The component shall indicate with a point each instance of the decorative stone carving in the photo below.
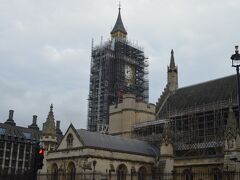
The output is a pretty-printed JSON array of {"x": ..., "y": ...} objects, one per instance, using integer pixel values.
[
  {"x": 167, "y": 134},
  {"x": 49, "y": 128},
  {"x": 231, "y": 131}
]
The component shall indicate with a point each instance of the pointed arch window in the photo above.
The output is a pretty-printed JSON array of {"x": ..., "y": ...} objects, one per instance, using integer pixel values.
[
  {"x": 142, "y": 173},
  {"x": 71, "y": 171},
  {"x": 69, "y": 140},
  {"x": 54, "y": 172}
]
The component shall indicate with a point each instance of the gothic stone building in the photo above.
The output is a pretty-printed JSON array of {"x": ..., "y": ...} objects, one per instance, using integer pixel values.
[
  {"x": 163, "y": 150},
  {"x": 82, "y": 152},
  {"x": 17, "y": 144},
  {"x": 193, "y": 135},
  {"x": 191, "y": 130},
  {"x": 117, "y": 67},
  {"x": 202, "y": 121}
]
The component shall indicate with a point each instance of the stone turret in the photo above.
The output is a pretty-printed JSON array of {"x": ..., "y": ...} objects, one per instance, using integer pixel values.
[
  {"x": 49, "y": 135},
  {"x": 48, "y": 139},
  {"x": 49, "y": 128},
  {"x": 171, "y": 86}
]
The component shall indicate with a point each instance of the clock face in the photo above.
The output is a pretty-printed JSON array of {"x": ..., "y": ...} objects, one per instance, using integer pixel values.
[{"x": 129, "y": 74}]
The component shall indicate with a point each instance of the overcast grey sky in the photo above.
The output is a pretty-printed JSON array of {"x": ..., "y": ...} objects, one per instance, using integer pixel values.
[{"x": 45, "y": 48}]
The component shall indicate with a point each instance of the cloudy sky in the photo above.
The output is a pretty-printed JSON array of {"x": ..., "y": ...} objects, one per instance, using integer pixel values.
[{"x": 45, "y": 48}]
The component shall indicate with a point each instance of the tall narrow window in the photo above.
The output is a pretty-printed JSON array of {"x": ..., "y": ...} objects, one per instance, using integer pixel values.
[
  {"x": 54, "y": 172},
  {"x": 71, "y": 171},
  {"x": 142, "y": 173},
  {"x": 69, "y": 140}
]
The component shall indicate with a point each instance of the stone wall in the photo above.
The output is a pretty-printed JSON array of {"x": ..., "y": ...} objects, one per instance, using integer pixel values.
[{"x": 124, "y": 115}]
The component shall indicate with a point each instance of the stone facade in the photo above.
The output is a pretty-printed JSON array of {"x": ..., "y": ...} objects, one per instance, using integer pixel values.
[
  {"x": 202, "y": 142},
  {"x": 210, "y": 153},
  {"x": 75, "y": 155},
  {"x": 48, "y": 138},
  {"x": 207, "y": 158},
  {"x": 129, "y": 112},
  {"x": 17, "y": 146}
]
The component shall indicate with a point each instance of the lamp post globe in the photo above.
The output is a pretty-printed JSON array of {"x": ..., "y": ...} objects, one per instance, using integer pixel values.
[
  {"x": 236, "y": 63},
  {"x": 236, "y": 58}
]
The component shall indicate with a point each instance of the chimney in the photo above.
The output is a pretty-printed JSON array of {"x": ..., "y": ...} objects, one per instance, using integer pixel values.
[
  {"x": 58, "y": 130},
  {"x": 10, "y": 120},
  {"x": 34, "y": 123},
  {"x": 57, "y": 124},
  {"x": 10, "y": 117}
]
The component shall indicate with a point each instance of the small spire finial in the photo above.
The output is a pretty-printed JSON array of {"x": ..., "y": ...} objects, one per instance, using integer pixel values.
[
  {"x": 51, "y": 107},
  {"x": 119, "y": 5},
  {"x": 119, "y": 27},
  {"x": 172, "y": 62}
]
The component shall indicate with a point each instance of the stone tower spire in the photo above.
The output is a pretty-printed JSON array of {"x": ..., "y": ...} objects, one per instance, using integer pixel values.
[
  {"x": 172, "y": 62},
  {"x": 49, "y": 135},
  {"x": 48, "y": 139},
  {"x": 172, "y": 74},
  {"x": 49, "y": 128},
  {"x": 118, "y": 30}
]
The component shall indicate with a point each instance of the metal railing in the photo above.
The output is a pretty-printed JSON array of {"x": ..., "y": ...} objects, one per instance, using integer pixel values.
[
  {"x": 219, "y": 175},
  {"x": 142, "y": 176}
]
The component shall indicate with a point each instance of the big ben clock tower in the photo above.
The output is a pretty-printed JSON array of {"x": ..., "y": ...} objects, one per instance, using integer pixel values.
[{"x": 117, "y": 67}]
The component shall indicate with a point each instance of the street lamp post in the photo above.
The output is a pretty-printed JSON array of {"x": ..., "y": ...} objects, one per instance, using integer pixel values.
[{"x": 236, "y": 63}]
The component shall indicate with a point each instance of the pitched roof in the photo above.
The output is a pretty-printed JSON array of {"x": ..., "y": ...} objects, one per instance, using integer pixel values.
[
  {"x": 19, "y": 132},
  {"x": 103, "y": 141},
  {"x": 208, "y": 92},
  {"x": 119, "y": 25}
]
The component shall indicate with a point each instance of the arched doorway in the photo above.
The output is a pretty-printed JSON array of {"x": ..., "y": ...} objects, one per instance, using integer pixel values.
[
  {"x": 142, "y": 173},
  {"x": 54, "y": 172},
  {"x": 122, "y": 172},
  {"x": 71, "y": 170}
]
